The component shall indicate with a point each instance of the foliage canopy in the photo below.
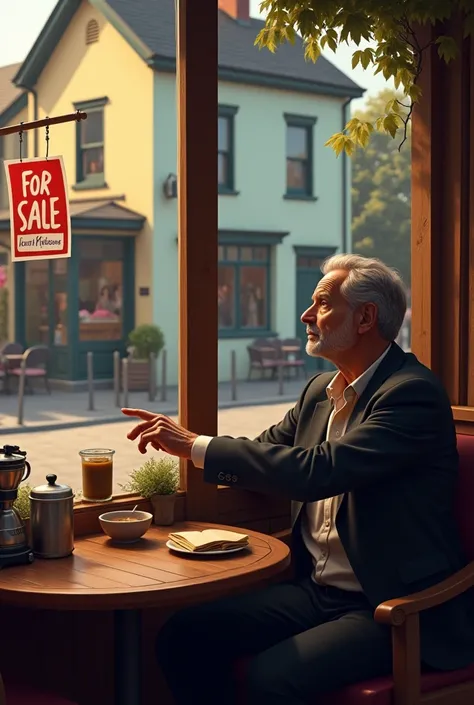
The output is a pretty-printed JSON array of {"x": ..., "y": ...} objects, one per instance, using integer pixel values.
[{"x": 394, "y": 49}]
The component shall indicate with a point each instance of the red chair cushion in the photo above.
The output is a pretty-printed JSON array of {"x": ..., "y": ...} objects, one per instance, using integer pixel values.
[
  {"x": 26, "y": 695},
  {"x": 379, "y": 690},
  {"x": 465, "y": 496}
]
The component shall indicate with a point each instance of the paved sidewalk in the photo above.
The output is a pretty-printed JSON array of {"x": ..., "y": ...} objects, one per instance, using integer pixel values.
[
  {"x": 62, "y": 409},
  {"x": 57, "y": 451}
]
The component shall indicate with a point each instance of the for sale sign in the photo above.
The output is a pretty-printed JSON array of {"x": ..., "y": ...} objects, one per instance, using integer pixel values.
[{"x": 39, "y": 209}]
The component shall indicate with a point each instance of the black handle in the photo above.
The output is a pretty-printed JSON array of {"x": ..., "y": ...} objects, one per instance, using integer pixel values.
[
  {"x": 51, "y": 479},
  {"x": 27, "y": 471}
]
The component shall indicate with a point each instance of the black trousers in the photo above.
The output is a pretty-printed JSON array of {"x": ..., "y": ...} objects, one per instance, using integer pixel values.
[{"x": 303, "y": 640}]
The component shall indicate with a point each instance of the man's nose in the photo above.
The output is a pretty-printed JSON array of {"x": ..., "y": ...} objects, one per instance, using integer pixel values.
[{"x": 309, "y": 316}]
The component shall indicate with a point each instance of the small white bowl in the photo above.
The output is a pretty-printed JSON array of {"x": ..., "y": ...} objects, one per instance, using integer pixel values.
[{"x": 125, "y": 526}]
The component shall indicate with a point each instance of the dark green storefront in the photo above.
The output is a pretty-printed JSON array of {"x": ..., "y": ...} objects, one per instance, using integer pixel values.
[{"x": 85, "y": 303}]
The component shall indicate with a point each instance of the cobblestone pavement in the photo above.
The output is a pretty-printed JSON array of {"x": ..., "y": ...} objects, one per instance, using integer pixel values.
[
  {"x": 64, "y": 409},
  {"x": 56, "y": 451}
]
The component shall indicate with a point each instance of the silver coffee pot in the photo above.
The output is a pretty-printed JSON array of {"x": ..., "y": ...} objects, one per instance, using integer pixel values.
[{"x": 52, "y": 519}]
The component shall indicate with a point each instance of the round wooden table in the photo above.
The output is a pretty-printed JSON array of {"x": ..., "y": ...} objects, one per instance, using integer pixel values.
[{"x": 101, "y": 575}]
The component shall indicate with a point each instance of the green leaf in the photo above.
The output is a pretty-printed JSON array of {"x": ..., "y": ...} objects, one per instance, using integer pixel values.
[
  {"x": 356, "y": 58},
  {"x": 447, "y": 48}
]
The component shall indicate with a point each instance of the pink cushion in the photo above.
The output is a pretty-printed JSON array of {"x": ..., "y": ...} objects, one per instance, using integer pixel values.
[
  {"x": 26, "y": 695},
  {"x": 29, "y": 372}
]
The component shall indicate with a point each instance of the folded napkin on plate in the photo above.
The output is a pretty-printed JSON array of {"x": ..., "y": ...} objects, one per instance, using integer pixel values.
[{"x": 209, "y": 540}]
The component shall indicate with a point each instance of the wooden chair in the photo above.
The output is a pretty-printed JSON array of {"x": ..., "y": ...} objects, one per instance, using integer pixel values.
[
  {"x": 262, "y": 358},
  {"x": 407, "y": 686}
]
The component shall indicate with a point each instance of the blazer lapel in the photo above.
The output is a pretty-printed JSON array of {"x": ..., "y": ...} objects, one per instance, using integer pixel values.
[{"x": 392, "y": 362}]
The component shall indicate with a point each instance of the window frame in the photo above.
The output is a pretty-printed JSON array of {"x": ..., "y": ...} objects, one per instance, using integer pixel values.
[
  {"x": 228, "y": 112},
  {"x": 238, "y": 331},
  {"x": 306, "y": 123},
  {"x": 92, "y": 181}
]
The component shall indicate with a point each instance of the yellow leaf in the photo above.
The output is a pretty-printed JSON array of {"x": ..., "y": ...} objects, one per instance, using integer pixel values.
[{"x": 356, "y": 57}]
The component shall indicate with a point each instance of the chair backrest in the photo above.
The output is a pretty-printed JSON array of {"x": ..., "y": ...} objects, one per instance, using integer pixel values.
[
  {"x": 465, "y": 494},
  {"x": 37, "y": 356},
  {"x": 12, "y": 349}
]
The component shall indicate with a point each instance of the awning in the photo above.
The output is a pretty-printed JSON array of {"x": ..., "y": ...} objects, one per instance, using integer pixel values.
[{"x": 96, "y": 216}]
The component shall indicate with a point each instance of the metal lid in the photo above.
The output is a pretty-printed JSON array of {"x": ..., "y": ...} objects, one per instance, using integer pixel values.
[
  {"x": 52, "y": 490},
  {"x": 12, "y": 457}
]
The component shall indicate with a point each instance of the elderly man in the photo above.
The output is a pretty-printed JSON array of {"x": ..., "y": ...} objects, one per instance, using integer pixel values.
[{"x": 368, "y": 456}]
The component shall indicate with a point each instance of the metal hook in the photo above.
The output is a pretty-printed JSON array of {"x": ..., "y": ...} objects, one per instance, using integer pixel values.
[
  {"x": 47, "y": 139},
  {"x": 21, "y": 142}
]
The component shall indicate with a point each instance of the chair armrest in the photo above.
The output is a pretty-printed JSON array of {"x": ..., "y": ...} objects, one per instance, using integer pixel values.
[{"x": 394, "y": 612}]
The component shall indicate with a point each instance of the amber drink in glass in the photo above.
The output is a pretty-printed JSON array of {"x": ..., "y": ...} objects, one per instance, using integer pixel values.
[{"x": 97, "y": 474}]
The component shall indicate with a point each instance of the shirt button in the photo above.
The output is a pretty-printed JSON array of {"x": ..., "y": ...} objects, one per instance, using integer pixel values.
[{"x": 327, "y": 523}]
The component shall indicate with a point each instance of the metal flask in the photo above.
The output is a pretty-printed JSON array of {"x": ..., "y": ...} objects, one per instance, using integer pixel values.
[{"x": 52, "y": 519}]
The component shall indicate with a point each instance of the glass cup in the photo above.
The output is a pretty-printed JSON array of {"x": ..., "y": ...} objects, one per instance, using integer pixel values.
[{"x": 97, "y": 474}]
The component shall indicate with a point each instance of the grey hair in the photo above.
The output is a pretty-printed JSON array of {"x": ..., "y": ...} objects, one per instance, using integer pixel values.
[{"x": 369, "y": 280}]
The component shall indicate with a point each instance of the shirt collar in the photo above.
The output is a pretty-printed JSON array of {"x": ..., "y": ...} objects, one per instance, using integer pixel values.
[{"x": 338, "y": 385}]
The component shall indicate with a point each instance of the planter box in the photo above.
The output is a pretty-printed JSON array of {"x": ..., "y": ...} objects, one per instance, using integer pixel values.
[{"x": 138, "y": 375}]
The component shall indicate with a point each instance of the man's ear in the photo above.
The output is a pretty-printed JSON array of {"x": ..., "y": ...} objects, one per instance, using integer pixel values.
[{"x": 367, "y": 317}]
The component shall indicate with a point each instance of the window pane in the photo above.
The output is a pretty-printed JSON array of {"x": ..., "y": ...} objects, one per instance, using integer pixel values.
[
  {"x": 223, "y": 134},
  {"x": 93, "y": 127},
  {"x": 302, "y": 261},
  {"x": 226, "y": 296},
  {"x": 296, "y": 175},
  {"x": 220, "y": 252},
  {"x": 261, "y": 253},
  {"x": 297, "y": 142},
  {"x": 232, "y": 253},
  {"x": 100, "y": 299},
  {"x": 60, "y": 267},
  {"x": 246, "y": 254},
  {"x": 90, "y": 248},
  {"x": 36, "y": 304},
  {"x": 93, "y": 161},
  {"x": 315, "y": 262},
  {"x": 253, "y": 294},
  {"x": 222, "y": 169}
]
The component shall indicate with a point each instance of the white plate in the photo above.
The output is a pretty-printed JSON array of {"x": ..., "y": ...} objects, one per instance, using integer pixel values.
[{"x": 170, "y": 544}]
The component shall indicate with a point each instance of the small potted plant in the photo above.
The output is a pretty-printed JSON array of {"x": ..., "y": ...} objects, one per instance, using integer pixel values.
[
  {"x": 158, "y": 481},
  {"x": 143, "y": 341},
  {"x": 22, "y": 505}
]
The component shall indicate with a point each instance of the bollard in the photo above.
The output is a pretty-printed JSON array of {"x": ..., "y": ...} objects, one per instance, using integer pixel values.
[
  {"x": 163, "y": 376},
  {"x": 90, "y": 379},
  {"x": 21, "y": 394},
  {"x": 125, "y": 381},
  {"x": 280, "y": 380},
  {"x": 233, "y": 375},
  {"x": 117, "y": 377},
  {"x": 152, "y": 377}
]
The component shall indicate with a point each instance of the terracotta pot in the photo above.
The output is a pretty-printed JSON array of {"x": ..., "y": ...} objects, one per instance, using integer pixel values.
[{"x": 163, "y": 509}]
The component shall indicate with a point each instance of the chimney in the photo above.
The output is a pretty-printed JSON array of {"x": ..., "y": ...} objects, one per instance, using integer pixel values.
[{"x": 238, "y": 9}]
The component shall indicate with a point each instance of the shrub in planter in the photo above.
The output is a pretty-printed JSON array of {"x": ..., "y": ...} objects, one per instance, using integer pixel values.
[
  {"x": 158, "y": 480},
  {"x": 143, "y": 341}
]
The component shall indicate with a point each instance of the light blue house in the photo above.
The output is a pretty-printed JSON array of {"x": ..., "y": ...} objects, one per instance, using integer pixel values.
[{"x": 284, "y": 199}]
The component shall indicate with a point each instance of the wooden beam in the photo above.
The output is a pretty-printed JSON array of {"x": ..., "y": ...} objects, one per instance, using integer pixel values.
[
  {"x": 442, "y": 273},
  {"x": 196, "y": 60},
  {"x": 45, "y": 122}
]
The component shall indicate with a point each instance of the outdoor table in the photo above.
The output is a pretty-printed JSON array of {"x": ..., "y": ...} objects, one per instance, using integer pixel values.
[{"x": 101, "y": 575}]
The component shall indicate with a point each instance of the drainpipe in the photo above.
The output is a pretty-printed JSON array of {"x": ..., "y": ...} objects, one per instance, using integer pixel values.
[{"x": 346, "y": 226}]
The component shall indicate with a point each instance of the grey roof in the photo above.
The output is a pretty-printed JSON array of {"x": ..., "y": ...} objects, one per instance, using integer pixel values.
[
  {"x": 153, "y": 21},
  {"x": 105, "y": 210},
  {"x": 8, "y": 91}
]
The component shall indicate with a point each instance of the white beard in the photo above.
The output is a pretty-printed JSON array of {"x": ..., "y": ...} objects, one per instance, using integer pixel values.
[{"x": 340, "y": 339}]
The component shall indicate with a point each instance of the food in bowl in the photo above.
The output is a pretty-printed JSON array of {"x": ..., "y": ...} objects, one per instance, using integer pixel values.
[{"x": 125, "y": 526}]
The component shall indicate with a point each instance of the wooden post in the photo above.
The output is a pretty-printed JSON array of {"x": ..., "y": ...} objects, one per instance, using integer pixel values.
[{"x": 196, "y": 73}]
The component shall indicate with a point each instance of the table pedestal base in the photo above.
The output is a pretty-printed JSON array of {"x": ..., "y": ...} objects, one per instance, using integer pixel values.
[{"x": 128, "y": 660}]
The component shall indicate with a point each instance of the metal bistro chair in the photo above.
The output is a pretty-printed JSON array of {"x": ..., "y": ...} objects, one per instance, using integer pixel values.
[{"x": 34, "y": 365}]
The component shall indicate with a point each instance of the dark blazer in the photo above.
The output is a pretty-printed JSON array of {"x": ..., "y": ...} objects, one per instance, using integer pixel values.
[{"x": 397, "y": 467}]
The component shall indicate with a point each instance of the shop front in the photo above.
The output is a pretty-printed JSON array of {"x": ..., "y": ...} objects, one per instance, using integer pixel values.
[{"x": 85, "y": 303}]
